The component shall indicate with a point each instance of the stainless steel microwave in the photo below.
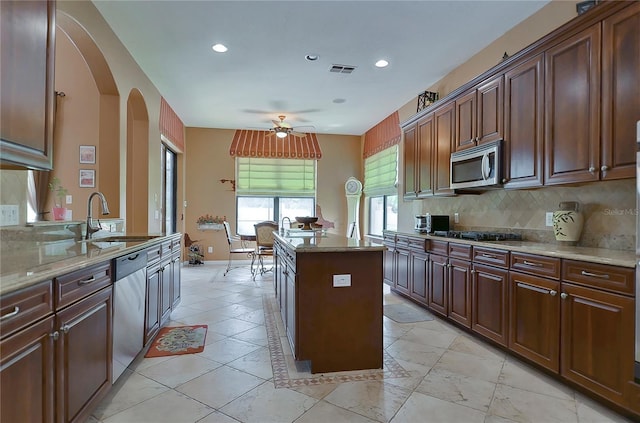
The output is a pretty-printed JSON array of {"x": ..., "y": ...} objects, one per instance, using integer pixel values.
[{"x": 477, "y": 167}]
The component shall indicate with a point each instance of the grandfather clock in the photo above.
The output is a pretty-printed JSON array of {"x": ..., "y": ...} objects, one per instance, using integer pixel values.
[{"x": 353, "y": 190}]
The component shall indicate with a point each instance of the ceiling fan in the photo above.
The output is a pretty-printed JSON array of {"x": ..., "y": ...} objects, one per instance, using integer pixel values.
[{"x": 282, "y": 129}]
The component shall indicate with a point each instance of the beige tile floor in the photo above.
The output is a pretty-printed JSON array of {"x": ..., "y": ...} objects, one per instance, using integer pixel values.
[{"x": 433, "y": 372}]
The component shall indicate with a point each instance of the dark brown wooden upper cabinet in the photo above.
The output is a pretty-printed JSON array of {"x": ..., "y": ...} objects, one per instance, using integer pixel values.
[
  {"x": 523, "y": 124},
  {"x": 27, "y": 30},
  {"x": 425, "y": 169},
  {"x": 444, "y": 137},
  {"x": 572, "y": 109},
  {"x": 479, "y": 114},
  {"x": 620, "y": 92},
  {"x": 409, "y": 154}
]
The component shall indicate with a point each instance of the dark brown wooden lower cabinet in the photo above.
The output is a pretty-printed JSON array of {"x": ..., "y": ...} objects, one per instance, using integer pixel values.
[
  {"x": 459, "y": 285},
  {"x": 597, "y": 340},
  {"x": 490, "y": 305},
  {"x": 534, "y": 332},
  {"x": 438, "y": 293},
  {"x": 152, "y": 303},
  {"x": 27, "y": 374},
  {"x": 419, "y": 276},
  {"x": 83, "y": 356},
  {"x": 402, "y": 271}
]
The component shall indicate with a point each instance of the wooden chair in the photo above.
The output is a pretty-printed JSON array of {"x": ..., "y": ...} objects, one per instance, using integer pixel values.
[
  {"x": 264, "y": 245},
  {"x": 247, "y": 252}
]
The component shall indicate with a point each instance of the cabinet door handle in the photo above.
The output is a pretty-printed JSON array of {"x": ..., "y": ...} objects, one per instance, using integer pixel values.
[
  {"x": 65, "y": 329},
  {"x": 604, "y": 168},
  {"x": 133, "y": 257},
  {"x": 592, "y": 169},
  {"x": 564, "y": 296},
  {"x": 553, "y": 293},
  {"x": 530, "y": 263},
  {"x": 595, "y": 275},
  {"x": 55, "y": 335},
  {"x": 15, "y": 311},
  {"x": 533, "y": 288},
  {"x": 87, "y": 281}
]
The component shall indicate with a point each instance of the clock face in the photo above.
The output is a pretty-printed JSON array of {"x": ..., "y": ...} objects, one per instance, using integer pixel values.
[{"x": 353, "y": 186}]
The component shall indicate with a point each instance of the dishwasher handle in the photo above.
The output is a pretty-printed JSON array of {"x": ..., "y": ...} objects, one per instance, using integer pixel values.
[{"x": 131, "y": 263}]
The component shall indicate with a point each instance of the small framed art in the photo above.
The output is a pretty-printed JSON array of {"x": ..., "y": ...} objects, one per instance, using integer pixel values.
[
  {"x": 88, "y": 154},
  {"x": 87, "y": 178}
]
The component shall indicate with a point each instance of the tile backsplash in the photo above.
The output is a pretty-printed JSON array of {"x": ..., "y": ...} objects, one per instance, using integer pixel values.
[{"x": 609, "y": 210}]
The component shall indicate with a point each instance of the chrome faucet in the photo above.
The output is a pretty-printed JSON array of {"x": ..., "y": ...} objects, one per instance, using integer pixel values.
[
  {"x": 105, "y": 210},
  {"x": 282, "y": 224}
]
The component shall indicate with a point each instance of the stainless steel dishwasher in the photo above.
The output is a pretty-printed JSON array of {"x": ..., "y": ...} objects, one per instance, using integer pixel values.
[{"x": 128, "y": 309}]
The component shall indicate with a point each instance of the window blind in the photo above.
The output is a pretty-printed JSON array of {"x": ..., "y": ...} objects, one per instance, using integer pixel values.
[
  {"x": 275, "y": 177},
  {"x": 381, "y": 172}
]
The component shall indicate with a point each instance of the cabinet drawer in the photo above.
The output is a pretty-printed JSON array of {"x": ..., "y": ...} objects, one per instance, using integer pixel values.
[
  {"x": 402, "y": 242},
  {"x": 166, "y": 249},
  {"x": 79, "y": 284},
  {"x": 418, "y": 244},
  {"x": 153, "y": 253},
  {"x": 536, "y": 265},
  {"x": 25, "y": 306},
  {"x": 498, "y": 258},
  {"x": 613, "y": 278},
  {"x": 461, "y": 251},
  {"x": 438, "y": 247},
  {"x": 389, "y": 238}
]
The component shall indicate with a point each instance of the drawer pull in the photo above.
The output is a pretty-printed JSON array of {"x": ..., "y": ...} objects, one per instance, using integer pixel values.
[
  {"x": 55, "y": 335},
  {"x": 133, "y": 257},
  {"x": 15, "y": 311},
  {"x": 595, "y": 275},
  {"x": 530, "y": 263},
  {"x": 564, "y": 296},
  {"x": 488, "y": 255},
  {"x": 534, "y": 288},
  {"x": 87, "y": 281}
]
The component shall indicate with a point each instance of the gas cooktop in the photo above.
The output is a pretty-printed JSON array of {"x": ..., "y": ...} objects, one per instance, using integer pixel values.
[{"x": 479, "y": 236}]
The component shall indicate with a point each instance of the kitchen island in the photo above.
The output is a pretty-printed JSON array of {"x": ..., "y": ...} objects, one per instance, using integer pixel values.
[{"x": 329, "y": 289}]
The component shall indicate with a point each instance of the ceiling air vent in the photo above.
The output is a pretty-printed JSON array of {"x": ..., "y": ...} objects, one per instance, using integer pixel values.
[{"x": 342, "y": 69}]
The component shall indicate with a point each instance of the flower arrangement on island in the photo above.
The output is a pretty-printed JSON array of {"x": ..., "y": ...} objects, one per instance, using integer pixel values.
[{"x": 207, "y": 219}]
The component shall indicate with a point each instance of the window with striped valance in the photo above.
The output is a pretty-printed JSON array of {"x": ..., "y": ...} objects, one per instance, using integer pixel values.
[
  {"x": 381, "y": 172},
  {"x": 275, "y": 177}
]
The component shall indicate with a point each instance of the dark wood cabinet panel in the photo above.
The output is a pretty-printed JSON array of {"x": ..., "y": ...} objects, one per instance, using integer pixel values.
[
  {"x": 389, "y": 265},
  {"x": 489, "y": 302},
  {"x": 419, "y": 276},
  {"x": 83, "y": 356},
  {"x": 425, "y": 147},
  {"x": 27, "y": 30},
  {"x": 523, "y": 124},
  {"x": 410, "y": 161},
  {"x": 444, "y": 136},
  {"x": 489, "y": 126},
  {"x": 572, "y": 109},
  {"x": 466, "y": 121},
  {"x": 291, "y": 318},
  {"x": 620, "y": 92},
  {"x": 27, "y": 374},
  {"x": 459, "y": 285},
  {"x": 152, "y": 304},
  {"x": 534, "y": 331},
  {"x": 402, "y": 271},
  {"x": 166, "y": 282},
  {"x": 21, "y": 308},
  {"x": 597, "y": 340},
  {"x": 438, "y": 292},
  {"x": 176, "y": 282}
]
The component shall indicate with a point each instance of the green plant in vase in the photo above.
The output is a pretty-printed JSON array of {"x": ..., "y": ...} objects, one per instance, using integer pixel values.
[{"x": 59, "y": 192}]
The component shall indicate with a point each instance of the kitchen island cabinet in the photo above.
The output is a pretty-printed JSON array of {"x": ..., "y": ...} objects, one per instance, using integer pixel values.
[{"x": 332, "y": 291}]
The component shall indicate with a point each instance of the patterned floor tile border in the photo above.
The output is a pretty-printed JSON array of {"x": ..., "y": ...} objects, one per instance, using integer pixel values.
[{"x": 281, "y": 377}]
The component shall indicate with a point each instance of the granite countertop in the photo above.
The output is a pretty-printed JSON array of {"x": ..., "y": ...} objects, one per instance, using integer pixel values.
[
  {"x": 621, "y": 258},
  {"x": 27, "y": 262},
  {"x": 322, "y": 242}
]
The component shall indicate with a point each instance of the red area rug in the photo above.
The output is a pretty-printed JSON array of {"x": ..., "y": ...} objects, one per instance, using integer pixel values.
[{"x": 178, "y": 340}]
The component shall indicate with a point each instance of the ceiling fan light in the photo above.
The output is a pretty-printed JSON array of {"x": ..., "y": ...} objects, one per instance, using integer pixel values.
[{"x": 281, "y": 133}]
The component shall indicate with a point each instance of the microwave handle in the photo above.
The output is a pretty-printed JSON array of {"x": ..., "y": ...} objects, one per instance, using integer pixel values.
[{"x": 486, "y": 170}]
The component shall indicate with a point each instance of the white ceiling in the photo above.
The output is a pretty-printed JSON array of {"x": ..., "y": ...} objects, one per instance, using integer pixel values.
[{"x": 265, "y": 74}]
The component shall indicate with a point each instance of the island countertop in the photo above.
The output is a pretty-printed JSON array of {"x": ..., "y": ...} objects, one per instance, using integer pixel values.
[{"x": 319, "y": 242}]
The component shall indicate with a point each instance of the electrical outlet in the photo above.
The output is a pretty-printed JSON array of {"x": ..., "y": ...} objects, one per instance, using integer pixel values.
[
  {"x": 341, "y": 280},
  {"x": 210, "y": 250},
  {"x": 549, "y": 219},
  {"x": 9, "y": 215},
  {"x": 69, "y": 199},
  {"x": 456, "y": 218}
]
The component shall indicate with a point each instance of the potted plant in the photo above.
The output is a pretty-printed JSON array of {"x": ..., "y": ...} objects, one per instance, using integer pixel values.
[
  {"x": 59, "y": 192},
  {"x": 210, "y": 222}
]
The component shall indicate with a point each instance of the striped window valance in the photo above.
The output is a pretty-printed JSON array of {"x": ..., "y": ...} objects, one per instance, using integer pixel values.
[
  {"x": 382, "y": 136},
  {"x": 247, "y": 143},
  {"x": 171, "y": 127}
]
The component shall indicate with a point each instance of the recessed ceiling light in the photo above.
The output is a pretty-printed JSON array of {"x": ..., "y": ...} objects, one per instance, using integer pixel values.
[
  {"x": 219, "y": 48},
  {"x": 382, "y": 63},
  {"x": 312, "y": 57}
]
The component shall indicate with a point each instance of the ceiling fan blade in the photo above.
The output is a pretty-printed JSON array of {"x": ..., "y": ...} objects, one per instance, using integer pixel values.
[
  {"x": 297, "y": 134},
  {"x": 270, "y": 134},
  {"x": 277, "y": 123}
]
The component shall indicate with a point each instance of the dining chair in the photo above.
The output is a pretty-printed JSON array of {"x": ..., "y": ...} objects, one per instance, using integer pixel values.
[
  {"x": 264, "y": 245},
  {"x": 235, "y": 251}
]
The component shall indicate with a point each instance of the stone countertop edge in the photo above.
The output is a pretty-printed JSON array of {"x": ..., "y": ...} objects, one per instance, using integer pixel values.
[
  {"x": 622, "y": 258},
  {"x": 30, "y": 276},
  {"x": 327, "y": 243}
]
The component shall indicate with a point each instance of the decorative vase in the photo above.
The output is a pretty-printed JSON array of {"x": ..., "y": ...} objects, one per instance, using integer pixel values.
[
  {"x": 567, "y": 222},
  {"x": 59, "y": 213}
]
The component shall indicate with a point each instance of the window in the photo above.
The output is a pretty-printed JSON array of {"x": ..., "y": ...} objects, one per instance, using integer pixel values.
[
  {"x": 380, "y": 189},
  {"x": 270, "y": 189},
  {"x": 169, "y": 188}
]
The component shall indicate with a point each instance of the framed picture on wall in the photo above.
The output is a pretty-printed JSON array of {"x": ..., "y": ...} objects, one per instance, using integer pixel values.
[
  {"x": 87, "y": 178},
  {"x": 88, "y": 154}
]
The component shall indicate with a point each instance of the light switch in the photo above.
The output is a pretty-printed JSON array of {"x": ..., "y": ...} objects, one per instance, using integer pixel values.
[
  {"x": 9, "y": 215},
  {"x": 341, "y": 280},
  {"x": 69, "y": 199}
]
